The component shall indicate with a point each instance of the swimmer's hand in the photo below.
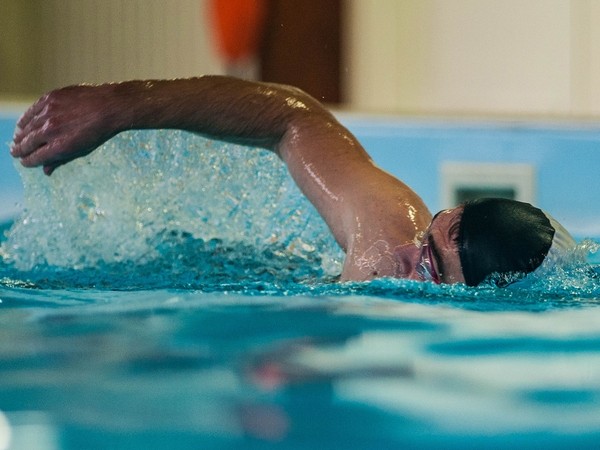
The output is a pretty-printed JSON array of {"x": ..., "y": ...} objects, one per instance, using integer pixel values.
[{"x": 63, "y": 125}]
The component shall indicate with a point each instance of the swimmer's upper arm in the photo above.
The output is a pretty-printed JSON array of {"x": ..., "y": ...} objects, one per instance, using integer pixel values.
[
  {"x": 361, "y": 203},
  {"x": 330, "y": 166}
]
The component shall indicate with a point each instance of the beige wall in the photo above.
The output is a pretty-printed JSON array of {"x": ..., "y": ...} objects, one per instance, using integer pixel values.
[
  {"x": 107, "y": 40},
  {"x": 539, "y": 57},
  {"x": 533, "y": 57},
  {"x": 75, "y": 41},
  {"x": 19, "y": 51}
]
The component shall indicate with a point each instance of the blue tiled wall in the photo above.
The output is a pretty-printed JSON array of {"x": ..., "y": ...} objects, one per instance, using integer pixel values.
[
  {"x": 10, "y": 184},
  {"x": 566, "y": 159}
]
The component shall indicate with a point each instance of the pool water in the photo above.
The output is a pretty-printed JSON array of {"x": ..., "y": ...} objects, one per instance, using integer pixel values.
[{"x": 152, "y": 300}]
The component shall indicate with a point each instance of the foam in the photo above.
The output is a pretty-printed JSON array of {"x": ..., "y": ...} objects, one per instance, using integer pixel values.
[{"x": 114, "y": 205}]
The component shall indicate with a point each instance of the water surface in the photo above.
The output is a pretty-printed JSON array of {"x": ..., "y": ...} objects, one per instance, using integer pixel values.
[{"x": 152, "y": 300}]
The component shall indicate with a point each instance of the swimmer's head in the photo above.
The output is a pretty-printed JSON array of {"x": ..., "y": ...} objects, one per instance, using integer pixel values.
[
  {"x": 498, "y": 238},
  {"x": 507, "y": 238}
]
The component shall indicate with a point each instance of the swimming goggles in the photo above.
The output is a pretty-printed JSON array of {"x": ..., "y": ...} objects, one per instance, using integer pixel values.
[{"x": 426, "y": 267}]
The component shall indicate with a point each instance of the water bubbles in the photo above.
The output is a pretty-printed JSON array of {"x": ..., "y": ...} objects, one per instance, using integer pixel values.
[
  {"x": 113, "y": 205},
  {"x": 591, "y": 249}
]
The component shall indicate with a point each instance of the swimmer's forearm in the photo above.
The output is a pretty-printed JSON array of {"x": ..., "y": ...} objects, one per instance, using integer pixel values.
[{"x": 220, "y": 107}]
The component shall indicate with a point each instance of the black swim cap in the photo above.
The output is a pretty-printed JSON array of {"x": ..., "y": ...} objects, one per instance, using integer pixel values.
[{"x": 501, "y": 236}]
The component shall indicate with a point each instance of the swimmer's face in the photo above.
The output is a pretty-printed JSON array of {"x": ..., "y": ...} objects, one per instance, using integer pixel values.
[{"x": 439, "y": 260}]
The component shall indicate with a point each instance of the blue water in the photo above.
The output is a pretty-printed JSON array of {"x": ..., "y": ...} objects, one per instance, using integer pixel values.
[{"x": 160, "y": 300}]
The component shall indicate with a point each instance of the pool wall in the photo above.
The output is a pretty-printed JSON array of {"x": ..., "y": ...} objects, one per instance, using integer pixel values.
[
  {"x": 563, "y": 157},
  {"x": 11, "y": 190}
]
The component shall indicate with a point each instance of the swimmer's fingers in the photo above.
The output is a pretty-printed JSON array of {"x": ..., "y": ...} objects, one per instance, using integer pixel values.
[
  {"x": 31, "y": 139},
  {"x": 36, "y": 117},
  {"x": 55, "y": 153},
  {"x": 23, "y": 124},
  {"x": 34, "y": 109},
  {"x": 63, "y": 125},
  {"x": 49, "y": 168},
  {"x": 48, "y": 153},
  {"x": 63, "y": 110},
  {"x": 38, "y": 125}
]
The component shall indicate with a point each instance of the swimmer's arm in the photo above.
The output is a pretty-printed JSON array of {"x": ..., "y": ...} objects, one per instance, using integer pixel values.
[
  {"x": 71, "y": 122},
  {"x": 324, "y": 158}
]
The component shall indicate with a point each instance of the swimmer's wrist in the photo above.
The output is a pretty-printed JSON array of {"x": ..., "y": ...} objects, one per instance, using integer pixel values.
[
  {"x": 145, "y": 104},
  {"x": 132, "y": 101}
]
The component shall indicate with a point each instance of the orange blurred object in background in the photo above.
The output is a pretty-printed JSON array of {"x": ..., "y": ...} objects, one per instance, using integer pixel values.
[{"x": 237, "y": 25}]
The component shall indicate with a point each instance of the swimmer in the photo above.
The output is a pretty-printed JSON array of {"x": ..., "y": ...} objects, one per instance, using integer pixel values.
[{"x": 382, "y": 225}]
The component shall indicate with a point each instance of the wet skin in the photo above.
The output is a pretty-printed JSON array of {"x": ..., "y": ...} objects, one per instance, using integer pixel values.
[
  {"x": 376, "y": 219},
  {"x": 442, "y": 237}
]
